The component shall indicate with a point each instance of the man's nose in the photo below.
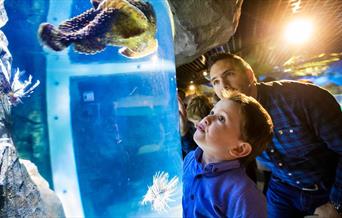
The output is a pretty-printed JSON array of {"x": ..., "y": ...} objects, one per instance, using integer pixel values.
[{"x": 226, "y": 84}]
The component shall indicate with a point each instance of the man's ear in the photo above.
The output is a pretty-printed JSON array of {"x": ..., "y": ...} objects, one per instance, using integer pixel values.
[
  {"x": 242, "y": 150},
  {"x": 250, "y": 75}
]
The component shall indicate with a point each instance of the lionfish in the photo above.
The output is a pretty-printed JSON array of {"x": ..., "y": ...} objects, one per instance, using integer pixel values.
[
  {"x": 11, "y": 86},
  {"x": 160, "y": 193}
]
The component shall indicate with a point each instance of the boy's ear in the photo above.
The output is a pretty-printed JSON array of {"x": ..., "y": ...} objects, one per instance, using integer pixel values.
[{"x": 242, "y": 150}]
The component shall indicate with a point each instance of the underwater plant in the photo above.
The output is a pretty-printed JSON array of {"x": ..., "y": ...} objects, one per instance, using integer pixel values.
[
  {"x": 130, "y": 24},
  {"x": 160, "y": 193}
]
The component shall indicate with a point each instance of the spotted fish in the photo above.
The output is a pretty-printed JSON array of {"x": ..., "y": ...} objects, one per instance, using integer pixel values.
[{"x": 130, "y": 24}]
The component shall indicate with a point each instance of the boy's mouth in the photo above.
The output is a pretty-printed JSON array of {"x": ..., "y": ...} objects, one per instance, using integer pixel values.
[{"x": 201, "y": 127}]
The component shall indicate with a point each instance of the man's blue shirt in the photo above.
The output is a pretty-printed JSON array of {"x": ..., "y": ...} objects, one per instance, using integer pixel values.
[
  {"x": 307, "y": 145},
  {"x": 219, "y": 190}
]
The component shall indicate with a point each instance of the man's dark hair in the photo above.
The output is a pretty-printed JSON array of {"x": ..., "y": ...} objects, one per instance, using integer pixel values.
[{"x": 237, "y": 61}]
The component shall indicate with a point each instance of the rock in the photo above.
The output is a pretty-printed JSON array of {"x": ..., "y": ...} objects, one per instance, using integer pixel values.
[
  {"x": 201, "y": 25},
  {"x": 21, "y": 195},
  {"x": 51, "y": 203}
]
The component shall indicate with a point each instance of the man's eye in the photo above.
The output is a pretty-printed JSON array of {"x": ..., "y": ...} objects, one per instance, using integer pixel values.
[
  {"x": 215, "y": 82},
  {"x": 230, "y": 73},
  {"x": 221, "y": 119},
  {"x": 211, "y": 113}
]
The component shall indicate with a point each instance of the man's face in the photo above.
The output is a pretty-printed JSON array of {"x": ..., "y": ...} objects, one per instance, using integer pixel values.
[
  {"x": 225, "y": 76},
  {"x": 220, "y": 130}
]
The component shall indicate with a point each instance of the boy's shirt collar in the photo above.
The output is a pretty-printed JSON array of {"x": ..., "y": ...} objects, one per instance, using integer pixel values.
[{"x": 214, "y": 167}]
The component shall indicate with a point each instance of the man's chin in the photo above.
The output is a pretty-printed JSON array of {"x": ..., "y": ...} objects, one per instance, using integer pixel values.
[{"x": 226, "y": 92}]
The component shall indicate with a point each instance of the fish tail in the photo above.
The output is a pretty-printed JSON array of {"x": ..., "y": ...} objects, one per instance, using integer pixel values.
[{"x": 53, "y": 37}]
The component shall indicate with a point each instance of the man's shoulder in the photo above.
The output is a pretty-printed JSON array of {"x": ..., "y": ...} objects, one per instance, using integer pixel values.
[
  {"x": 284, "y": 84},
  {"x": 289, "y": 84},
  {"x": 289, "y": 87}
]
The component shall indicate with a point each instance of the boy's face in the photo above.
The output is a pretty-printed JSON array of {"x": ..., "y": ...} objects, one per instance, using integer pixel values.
[
  {"x": 225, "y": 76},
  {"x": 220, "y": 131}
]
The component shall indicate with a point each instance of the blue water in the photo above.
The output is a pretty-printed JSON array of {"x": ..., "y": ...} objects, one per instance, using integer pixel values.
[
  {"x": 122, "y": 137},
  {"x": 112, "y": 121},
  {"x": 29, "y": 131}
]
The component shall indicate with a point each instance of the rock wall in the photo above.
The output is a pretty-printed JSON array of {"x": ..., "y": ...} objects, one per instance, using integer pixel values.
[{"x": 201, "y": 25}]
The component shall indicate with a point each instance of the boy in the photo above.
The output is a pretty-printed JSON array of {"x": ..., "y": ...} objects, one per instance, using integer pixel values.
[{"x": 214, "y": 182}]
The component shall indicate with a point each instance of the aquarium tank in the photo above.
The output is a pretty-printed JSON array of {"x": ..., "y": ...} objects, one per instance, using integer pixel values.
[{"x": 102, "y": 127}]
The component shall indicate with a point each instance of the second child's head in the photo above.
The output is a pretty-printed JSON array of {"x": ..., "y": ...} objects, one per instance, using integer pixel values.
[
  {"x": 198, "y": 108},
  {"x": 238, "y": 127}
]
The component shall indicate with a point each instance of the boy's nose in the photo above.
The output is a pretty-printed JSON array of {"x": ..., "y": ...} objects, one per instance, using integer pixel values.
[{"x": 207, "y": 120}]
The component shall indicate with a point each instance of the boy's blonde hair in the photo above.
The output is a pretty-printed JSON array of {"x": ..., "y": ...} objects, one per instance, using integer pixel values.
[{"x": 256, "y": 126}]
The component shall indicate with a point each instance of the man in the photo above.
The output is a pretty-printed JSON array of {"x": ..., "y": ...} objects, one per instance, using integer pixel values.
[{"x": 305, "y": 153}]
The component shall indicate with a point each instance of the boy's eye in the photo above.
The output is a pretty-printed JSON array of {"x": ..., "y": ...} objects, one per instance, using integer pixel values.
[
  {"x": 221, "y": 119},
  {"x": 211, "y": 113}
]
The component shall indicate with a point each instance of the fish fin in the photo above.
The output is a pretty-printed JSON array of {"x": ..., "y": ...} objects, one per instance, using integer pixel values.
[
  {"x": 52, "y": 37},
  {"x": 96, "y": 3},
  {"x": 89, "y": 46},
  {"x": 149, "y": 49},
  {"x": 147, "y": 9}
]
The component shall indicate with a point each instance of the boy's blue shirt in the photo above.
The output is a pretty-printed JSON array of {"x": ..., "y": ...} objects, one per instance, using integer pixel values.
[{"x": 219, "y": 190}]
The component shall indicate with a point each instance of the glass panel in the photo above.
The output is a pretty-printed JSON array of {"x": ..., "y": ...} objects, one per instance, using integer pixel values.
[{"x": 112, "y": 121}]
